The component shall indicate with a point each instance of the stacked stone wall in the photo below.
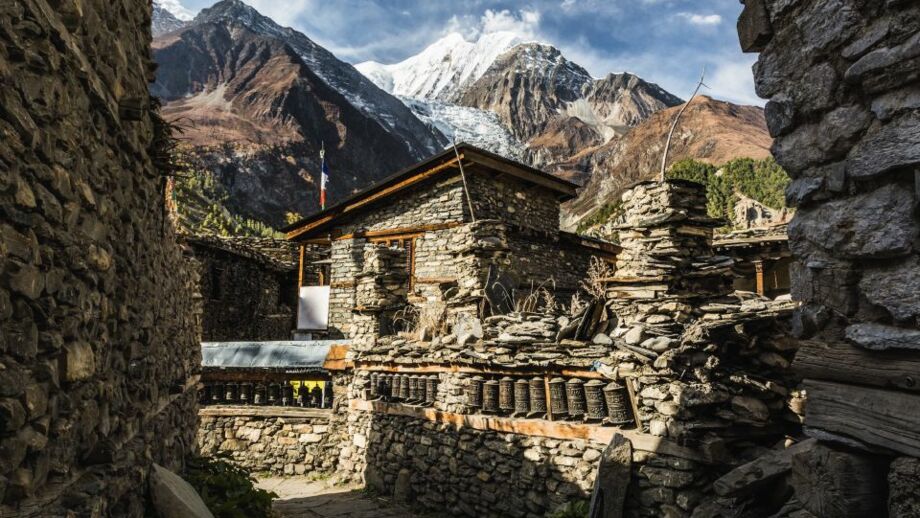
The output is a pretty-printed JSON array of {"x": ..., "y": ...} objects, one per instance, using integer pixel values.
[
  {"x": 301, "y": 442},
  {"x": 98, "y": 331},
  {"x": 514, "y": 203},
  {"x": 841, "y": 79}
]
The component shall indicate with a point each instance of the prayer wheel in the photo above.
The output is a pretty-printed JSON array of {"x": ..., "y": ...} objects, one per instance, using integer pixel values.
[
  {"x": 303, "y": 395},
  {"x": 233, "y": 392},
  {"x": 558, "y": 405},
  {"x": 617, "y": 404},
  {"x": 386, "y": 386},
  {"x": 274, "y": 394},
  {"x": 403, "y": 387},
  {"x": 397, "y": 386},
  {"x": 246, "y": 393},
  {"x": 594, "y": 396},
  {"x": 413, "y": 388},
  {"x": 258, "y": 397},
  {"x": 287, "y": 394},
  {"x": 506, "y": 395},
  {"x": 204, "y": 395},
  {"x": 217, "y": 393},
  {"x": 521, "y": 397},
  {"x": 490, "y": 396},
  {"x": 374, "y": 377},
  {"x": 422, "y": 390},
  {"x": 537, "y": 397},
  {"x": 316, "y": 397},
  {"x": 431, "y": 389},
  {"x": 474, "y": 392},
  {"x": 575, "y": 398}
]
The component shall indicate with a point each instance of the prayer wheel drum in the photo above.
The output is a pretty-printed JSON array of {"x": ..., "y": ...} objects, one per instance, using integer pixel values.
[
  {"x": 287, "y": 394},
  {"x": 217, "y": 393},
  {"x": 474, "y": 392},
  {"x": 274, "y": 394},
  {"x": 204, "y": 395},
  {"x": 232, "y": 392},
  {"x": 422, "y": 389},
  {"x": 413, "y": 389},
  {"x": 385, "y": 385},
  {"x": 259, "y": 397},
  {"x": 537, "y": 397},
  {"x": 490, "y": 396},
  {"x": 245, "y": 393},
  {"x": 375, "y": 388},
  {"x": 521, "y": 397},
  {"x": 575, "y": 398},
  {"x": 558, "y": 405},
  {"x": 617, "y": 404},
  {"x": 403, "y": 387},
  {"x": 303, "y": 395},
  {"x": 506, "y": 395},
  {"x": 431, "y": 389},
  {"x": 594, "y": 397}
]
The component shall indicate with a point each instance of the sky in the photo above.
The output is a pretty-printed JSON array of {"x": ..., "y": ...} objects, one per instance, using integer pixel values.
[{"x": 669, "y": 42}]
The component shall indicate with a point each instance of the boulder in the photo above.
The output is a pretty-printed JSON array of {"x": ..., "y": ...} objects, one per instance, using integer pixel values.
[
  {"x": 879, "y": 337},
  {"x": 173, "y": 497},
  {"x": 895, "y": 288}
]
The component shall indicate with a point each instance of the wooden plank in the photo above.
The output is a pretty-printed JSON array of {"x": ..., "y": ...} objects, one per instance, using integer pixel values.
[
  {"x": 758, "y": 270},
  {"x": 840, "y": 361},
  {"x": 466, "y": 369},
  {"x": 537, "y": 427},
  {"x": 401, "y": 232},
  {"x": 300, "y": 270},
  {"x": 877, "y": 417},
  {"x": 262, "y": 411}
]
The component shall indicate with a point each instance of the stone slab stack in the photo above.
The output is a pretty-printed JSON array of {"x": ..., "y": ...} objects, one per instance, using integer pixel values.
[
  {"x": 666, "y": 262},
  {"x": 381, "y": 290},
  {"x": 844, "y": 110}
]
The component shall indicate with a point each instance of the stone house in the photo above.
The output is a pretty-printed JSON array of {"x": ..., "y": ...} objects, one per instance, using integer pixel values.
[
  {"x": 464, "y": 231},
  {"x": 246, "y": 287}
]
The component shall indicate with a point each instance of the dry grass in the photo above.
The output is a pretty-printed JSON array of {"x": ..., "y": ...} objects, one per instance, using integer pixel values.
[
  {"x": 594, "y": 285},
  {"x": 422, "y": 322},
  {"x": 540, "y": 297}
]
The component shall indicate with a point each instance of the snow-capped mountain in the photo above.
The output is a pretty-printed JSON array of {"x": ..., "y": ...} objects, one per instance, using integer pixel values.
[
  {"x": 361, "y": 92},
  {"x": 175, "y": 8},
  {"x": 444, "y": 69},
  {"x": 164, "y": 20}
]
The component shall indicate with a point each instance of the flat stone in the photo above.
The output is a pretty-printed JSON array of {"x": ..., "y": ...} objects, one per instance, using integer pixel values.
[
  {"x": 659, "y": 344},
  {"x": 876, "y": 224},
  {"x": 750, "y": 408},
  {"x": 80, "y": 362},
  {"x": 895, "y": 288},
  {"x": 895, "y": 145},
  {"x": 173, "y": 497},
  {"x": 602, "y": 339},
  {"x": 634, "y": 335},
  {"x": 880, "y": 337}
]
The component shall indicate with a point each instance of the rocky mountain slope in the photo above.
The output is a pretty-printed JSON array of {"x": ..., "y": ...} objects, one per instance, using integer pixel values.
[
  {"x": 256, "y": 102},
  {"x": 164, "y": 20},
  {"x": 711, "y": 131}
]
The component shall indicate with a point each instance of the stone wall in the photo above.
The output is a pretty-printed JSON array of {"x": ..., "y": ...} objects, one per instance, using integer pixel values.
[
  {"x": 280, "y": 441},
  {"x": 844, "y": 109},
  {"x": 97, "y": 326},
  {"x": 244, "y": 296}
]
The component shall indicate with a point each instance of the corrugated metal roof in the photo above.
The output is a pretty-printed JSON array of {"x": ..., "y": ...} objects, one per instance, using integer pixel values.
[{"x": 269, "y": 355}]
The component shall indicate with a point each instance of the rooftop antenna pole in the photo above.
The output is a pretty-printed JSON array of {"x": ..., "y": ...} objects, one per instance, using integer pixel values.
[
  {"x": 466, "y": 189},
  {"x": 667, "y": 145}
]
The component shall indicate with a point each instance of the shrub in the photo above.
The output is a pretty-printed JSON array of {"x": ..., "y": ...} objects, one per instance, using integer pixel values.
[{"x": 228, "y": 490}]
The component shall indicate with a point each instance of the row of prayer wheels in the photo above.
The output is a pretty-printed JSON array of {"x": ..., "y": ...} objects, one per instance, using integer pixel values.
[
  {"x": 412, "y": 389},
  {"x": 594, "y": 401},
  {"x": 280, "y": 394}
]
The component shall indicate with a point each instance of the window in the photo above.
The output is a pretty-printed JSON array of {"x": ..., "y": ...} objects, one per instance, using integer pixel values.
[{"x": 408, "y": 243}]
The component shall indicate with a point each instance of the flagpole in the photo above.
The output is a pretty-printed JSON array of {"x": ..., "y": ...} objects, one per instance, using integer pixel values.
[{"x": 322, "y": 175}]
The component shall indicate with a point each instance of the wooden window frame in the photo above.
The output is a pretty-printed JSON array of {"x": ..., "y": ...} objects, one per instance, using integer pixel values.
[{"x": 407, "y": 241}]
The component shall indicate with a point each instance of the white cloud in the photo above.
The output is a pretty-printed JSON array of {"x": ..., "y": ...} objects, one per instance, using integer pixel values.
[
  {"x": 733, "y": 80},
  {"x": 285, "y": 13},
  {"x": 703, "y": 20},
  {"x": 525, "y": 23}
]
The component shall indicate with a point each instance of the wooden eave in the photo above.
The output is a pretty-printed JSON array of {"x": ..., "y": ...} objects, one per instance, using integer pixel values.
[{"x": 446, "y": 161}]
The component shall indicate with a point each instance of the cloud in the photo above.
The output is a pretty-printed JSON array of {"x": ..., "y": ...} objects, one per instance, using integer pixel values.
[
  {"x": 702, "y": 20},
  {"x": 733, "y": 80},
  {"x": 525, "y": 23}
]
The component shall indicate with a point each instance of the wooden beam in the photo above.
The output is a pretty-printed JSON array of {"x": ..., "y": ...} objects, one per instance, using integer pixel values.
[
  {"x": 370, "y": 198},
  {"x": 840, "y": 361},
  {"x": 262, "y": 411},
  {"x": 882, "y": 418},
  {"x": 758, "y": 269},
  {"x": 534, "y": 427},
  {"x": 568, "y": 372},
  {"x": 300, "y": 269},
  {"x": 539, "y": 178},
  {"x": 403, "y": 232}
]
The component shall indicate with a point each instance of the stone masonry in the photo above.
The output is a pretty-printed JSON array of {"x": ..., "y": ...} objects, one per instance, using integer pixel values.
[
  {"x": 841, "y": 78},
  {"x": 98, "y": 332}
]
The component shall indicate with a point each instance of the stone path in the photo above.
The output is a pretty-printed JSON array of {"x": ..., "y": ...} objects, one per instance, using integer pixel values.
[{"x": 299, "y": 497}]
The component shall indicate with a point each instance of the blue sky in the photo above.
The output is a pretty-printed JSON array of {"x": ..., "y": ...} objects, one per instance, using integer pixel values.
[{"x": 668, "y": 42}]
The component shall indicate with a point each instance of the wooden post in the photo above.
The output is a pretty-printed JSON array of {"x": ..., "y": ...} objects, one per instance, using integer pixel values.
[
  {"x": 758, "y": 268},
  {"x": 300, "y": 270},
  {"x": 549, "y": 401}
]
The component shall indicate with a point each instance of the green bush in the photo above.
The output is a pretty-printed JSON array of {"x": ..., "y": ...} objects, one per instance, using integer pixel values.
[{"x": 228, "y": 490}]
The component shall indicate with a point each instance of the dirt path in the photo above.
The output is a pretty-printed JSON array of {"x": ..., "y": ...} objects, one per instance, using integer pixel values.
[{"x": 299, "y": 497}]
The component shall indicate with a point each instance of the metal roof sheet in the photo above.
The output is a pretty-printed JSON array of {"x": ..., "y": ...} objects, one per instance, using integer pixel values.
[{"x": 271, "y": 355}]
